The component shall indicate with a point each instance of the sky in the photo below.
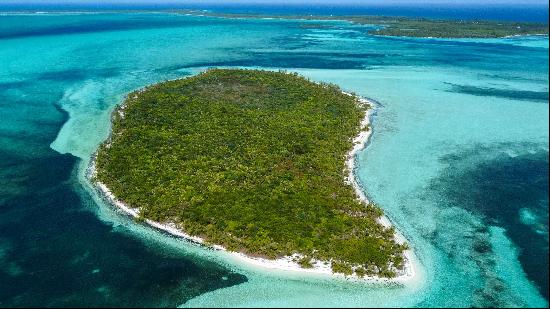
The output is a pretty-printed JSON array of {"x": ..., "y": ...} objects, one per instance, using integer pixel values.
[{"x": 312, "y": 2}]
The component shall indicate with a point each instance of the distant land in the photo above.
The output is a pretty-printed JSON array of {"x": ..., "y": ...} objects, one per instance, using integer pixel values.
[
  {"x": 414, "y": 27},
  {"x": 438, "y": 20}
]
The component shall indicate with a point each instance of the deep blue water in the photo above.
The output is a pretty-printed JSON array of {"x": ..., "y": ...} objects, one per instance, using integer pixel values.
[
  {"x": 509, "y": 12},
  {"x": 511, "y": 192},
  {"x": 458, "y": 160}
]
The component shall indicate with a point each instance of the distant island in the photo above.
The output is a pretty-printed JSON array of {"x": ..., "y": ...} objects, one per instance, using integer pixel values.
[
  {"x": 256, "y": 162},
  {"x": 412, "y": 26}
]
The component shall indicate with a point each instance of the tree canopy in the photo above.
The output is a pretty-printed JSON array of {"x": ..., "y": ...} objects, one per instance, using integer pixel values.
[{"x": 251, "y": 160}]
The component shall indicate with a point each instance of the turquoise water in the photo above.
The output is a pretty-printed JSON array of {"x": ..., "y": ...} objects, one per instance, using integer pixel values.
[{"x": 458, "y": 160}]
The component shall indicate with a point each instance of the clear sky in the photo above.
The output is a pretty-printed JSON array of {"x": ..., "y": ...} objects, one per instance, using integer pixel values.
[{"x": 374, "y": 2}]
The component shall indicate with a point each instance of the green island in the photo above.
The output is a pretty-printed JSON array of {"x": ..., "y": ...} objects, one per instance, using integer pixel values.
[
  {"x": 254, "y": 161},
  {"x": 412, "y": 26}
]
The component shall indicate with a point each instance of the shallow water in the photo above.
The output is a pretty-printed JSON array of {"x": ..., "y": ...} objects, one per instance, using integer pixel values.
[{"x": 458, "y": 160}]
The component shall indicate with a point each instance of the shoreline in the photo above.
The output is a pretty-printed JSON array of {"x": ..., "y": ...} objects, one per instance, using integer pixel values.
[
  {"x": 360, "y": 142},
  {"x": 287, "y": 263}
]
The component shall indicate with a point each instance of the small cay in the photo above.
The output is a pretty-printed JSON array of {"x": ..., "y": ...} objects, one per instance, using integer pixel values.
[{"x": 254, "y": 162}]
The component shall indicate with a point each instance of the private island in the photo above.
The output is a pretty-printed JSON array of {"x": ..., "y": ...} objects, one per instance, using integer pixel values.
[{"x": 251, "y": 161}]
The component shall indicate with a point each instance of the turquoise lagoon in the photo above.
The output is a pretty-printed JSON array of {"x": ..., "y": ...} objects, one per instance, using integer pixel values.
[{"x": 458, "y": 161}]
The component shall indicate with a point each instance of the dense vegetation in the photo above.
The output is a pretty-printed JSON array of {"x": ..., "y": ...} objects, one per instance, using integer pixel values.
[
  {"x": 416, "y": 27},
  {"x": 251, "y": 160},
  {"x": 422, "y": 27}
]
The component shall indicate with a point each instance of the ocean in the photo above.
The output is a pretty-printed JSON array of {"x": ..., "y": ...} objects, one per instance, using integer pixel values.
[
  {"x": 527, "y": 12},
  {"x": 458, "y": 160}
]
